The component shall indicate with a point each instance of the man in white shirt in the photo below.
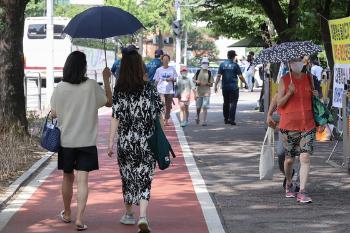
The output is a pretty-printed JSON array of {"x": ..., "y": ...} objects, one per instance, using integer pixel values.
[
  {"x": 316, "y": 72},
  {"x": 164, "y": 78}
]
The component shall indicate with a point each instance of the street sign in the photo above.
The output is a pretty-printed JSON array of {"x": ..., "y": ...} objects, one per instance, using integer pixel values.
[{"x": 87, "y": 2}]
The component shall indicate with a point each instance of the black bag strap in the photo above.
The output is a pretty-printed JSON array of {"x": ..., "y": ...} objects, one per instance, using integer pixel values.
[
  {"x": 250, "y": 64},
  {"x": 209, "y": 75},
  {"x": 197, "y": 73},
  {"x": 171, "y": 151}
]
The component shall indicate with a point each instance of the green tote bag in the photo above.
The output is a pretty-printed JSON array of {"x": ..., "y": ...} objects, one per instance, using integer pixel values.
[{"x": 160, "y": 146}]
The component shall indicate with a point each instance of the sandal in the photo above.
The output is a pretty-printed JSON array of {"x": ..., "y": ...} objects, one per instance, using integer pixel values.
[
  {"x": 81, "y": 227},
  {"x": 63, "y": 218}
]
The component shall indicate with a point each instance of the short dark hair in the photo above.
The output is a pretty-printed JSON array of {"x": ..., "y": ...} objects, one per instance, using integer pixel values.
[
  {"x": 315, "y": 62},
  {"x": 250, "y": 58},
  {"x": 166, "y": 55},
  {"x": 74, "y": 69},
  {"x": 231, "y": 54},
  {"x": 251, "y": 53},
  {"x": 132, "y": 72}
]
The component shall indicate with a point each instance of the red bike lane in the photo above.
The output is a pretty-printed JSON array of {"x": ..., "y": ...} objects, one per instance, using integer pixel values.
[{"x": 174, "y": 206}]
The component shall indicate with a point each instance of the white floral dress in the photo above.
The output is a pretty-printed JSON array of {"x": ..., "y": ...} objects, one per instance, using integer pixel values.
[{"x": 136, "y": 113}]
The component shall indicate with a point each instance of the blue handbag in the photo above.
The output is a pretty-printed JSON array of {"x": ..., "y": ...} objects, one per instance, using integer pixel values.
[{"x": 51, "y": 136}]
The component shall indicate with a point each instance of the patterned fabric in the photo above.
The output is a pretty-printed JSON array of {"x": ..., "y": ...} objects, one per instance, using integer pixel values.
[
  {"x": 287, "y": 51},
  {"x": 321, "y": 113},
  {"x": 297, "y": 142},
  {"x": 136, "y": 114}
]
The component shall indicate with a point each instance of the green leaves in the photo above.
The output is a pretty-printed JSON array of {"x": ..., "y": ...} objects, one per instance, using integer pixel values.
[
  {"x": 232, "y": 18},
  {"x": 242, "y": 18}
]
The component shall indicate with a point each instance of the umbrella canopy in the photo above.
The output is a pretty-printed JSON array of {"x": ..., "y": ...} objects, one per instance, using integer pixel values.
[
  {"x": 102, "y": 22},
  {"x": 250, "y": 42},
  {"x": 287, "y": 51}
]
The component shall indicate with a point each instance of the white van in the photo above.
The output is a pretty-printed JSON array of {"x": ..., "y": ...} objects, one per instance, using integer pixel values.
[{"x": 35, "y": 46}]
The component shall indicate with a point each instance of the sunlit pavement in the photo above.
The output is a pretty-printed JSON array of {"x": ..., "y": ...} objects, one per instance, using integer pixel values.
[
  {"x": 228, "y": 158},
  {"x": 173, "y": 208}
]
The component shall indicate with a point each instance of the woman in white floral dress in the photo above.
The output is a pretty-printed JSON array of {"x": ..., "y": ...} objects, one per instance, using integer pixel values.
[{"x": 136, "y": 104}]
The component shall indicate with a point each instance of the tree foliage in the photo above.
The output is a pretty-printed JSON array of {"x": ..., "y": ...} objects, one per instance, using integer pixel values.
[
  {"x": 232, "y": 18},
  {"x": 201, "y": 45},
  {"x": 292, "y": 19}
]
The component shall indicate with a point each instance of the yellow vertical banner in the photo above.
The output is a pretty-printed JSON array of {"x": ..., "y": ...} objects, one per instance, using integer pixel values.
[{"x": 340, "y": 39}]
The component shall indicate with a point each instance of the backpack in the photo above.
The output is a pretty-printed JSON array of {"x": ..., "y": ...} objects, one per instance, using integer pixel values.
[{"x": 197, "y": 73}]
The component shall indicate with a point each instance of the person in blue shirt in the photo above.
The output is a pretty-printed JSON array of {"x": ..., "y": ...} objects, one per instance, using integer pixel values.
[
  {"x": 229, "y": 72},
  {"x": 116, "y": 68},
  {"x": 153, "y": 65}
]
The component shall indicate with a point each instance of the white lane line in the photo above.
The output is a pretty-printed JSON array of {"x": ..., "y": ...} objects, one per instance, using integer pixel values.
[
  {"x": 14, "y": 205},
  {"x": 208, "y": 208}
]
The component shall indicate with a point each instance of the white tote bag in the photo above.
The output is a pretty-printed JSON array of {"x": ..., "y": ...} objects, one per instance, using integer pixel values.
[{"x": 267, "y": 155}]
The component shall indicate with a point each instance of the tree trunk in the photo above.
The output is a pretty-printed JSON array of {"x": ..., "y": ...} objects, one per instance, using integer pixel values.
[
  {"x": 160, "y": 40},
  {"x": 12, "y": 100},
  {"x": 275, "y": 13},
  {"x": 326, "y": 39}
]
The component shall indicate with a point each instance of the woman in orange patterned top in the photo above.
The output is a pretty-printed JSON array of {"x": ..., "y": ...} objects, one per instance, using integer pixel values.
[{"x": 297, "y": 125}]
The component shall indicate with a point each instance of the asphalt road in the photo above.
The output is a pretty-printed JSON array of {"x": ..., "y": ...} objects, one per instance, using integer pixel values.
[{"x": 228, "y": 158}]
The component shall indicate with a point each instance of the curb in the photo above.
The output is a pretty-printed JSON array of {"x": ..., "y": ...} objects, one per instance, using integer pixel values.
[{"x": 15, "y": 186}]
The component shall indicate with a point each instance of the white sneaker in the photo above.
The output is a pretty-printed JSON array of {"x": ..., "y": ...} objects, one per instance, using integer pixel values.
[
  {"x": 143, "y": 225},
  {"x": 128, "y": 219}
]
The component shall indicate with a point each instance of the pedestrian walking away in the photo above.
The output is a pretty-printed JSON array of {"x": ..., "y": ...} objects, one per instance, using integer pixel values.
[
  {"x": 228, "y": 73},
  {"x": 75, "y": 102},
  {"x": 184, "y": 88},
  {"x": 204, "y": 81},
  {"x": 165, "y": 78},
  {"x": 136, "y": 105},
  {"x": 153, "y": 65},
  {"x": 297, "y": 125}
]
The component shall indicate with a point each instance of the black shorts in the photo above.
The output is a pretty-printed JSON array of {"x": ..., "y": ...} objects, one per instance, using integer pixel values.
[{"x": 80, "y": 158}]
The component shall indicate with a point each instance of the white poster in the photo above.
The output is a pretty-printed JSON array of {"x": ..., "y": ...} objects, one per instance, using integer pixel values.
[
  {"x": 87, "y": 2},
  {"x": 341, "y": 75}
]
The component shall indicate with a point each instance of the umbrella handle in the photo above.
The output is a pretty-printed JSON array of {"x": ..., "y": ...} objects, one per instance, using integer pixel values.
[
  {"x": 290, "y": 73},
  {"x": 104, "y": 46}
]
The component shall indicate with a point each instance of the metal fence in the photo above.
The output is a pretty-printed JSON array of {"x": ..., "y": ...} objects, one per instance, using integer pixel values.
[{"x": 39, "y": 78}]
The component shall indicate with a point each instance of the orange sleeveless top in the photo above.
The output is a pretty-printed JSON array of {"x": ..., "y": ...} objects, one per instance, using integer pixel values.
[{"x": 297, "y": 113}]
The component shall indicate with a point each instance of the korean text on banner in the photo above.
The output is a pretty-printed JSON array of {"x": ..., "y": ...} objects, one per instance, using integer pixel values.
[{"x": 340, "y": 37}]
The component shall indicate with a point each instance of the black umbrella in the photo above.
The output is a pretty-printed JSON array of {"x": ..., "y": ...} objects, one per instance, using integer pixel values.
[
  {"x": 287, "y": 51},
  {"x": 102, "y": 22}
]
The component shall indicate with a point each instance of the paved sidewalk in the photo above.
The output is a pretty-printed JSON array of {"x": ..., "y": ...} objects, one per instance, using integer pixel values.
[
  {"x": 228, "y": 158},
  {"x": 173, "y": 208}
]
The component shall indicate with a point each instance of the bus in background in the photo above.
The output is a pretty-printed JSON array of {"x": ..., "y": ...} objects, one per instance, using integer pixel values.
[{"x": 35, "y": 47}]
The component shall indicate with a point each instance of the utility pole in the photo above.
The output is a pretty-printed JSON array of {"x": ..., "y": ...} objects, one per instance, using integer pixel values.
[
  {"x": 50, "y": 51},
  {"x": 178, "y": 37},
  {"x": 185, "y": 48}
]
